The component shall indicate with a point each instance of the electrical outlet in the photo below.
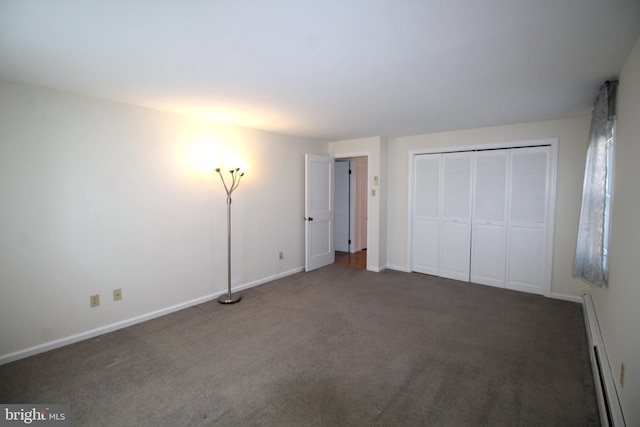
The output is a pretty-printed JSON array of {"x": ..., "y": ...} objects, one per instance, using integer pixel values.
[
  {"x": 280, "y": 255},
  {"x": 622, "y": 375},
  {"x": 117, "y": 294},
  {"x": 94, "y": 300}
]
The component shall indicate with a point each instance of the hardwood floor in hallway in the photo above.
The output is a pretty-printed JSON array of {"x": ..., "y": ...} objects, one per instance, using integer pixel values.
[{"x": 355, "y": 260}]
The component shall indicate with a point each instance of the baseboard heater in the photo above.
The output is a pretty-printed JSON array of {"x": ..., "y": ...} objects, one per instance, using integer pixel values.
[{"x": 608, "y": 402}]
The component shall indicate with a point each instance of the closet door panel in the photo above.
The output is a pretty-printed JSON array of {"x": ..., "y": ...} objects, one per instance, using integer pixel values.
[
  {"x": 526, "y": 265},
  {"x": 454, "y": 250},
  {"x": 426, "y": 214},
  {"x": 529, "y": 173},
  {"x": 426, "y": 247},
  {"x": 488, "y": 258},
  {"x": 455, "y": 225},
  {"x": 529, "y": 187}
]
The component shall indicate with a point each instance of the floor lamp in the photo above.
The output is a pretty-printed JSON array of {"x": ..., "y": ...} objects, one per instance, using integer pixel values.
[{"x": 236, "y": 175}]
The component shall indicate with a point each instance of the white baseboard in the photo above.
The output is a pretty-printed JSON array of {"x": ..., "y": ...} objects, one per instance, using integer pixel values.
[
  {"x": 399, "y": 268},
  {"x": 267, "y": 279},
  {"x": 564, "y": 297},
  {"x": 41, "y": 348}
]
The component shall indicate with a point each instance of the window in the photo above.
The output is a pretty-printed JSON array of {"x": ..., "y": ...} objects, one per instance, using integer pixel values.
[
  {"x": 592, "y": 254},
  {"x": 607, "y": 200}
]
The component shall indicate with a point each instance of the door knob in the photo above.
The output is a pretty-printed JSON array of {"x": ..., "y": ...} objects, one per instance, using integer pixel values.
[{"x": 309, "y": 219}]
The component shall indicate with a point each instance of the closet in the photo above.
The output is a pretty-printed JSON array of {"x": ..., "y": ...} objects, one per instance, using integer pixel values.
[{"x": 484, "y": 216}]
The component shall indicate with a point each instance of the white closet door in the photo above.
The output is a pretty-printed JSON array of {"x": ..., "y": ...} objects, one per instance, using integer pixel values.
[
  {"x": 528, "y": 194},
  {"x": 489, "y": 218},
  {"x": 426, "y": 214},
  {"x": 455, "y": 226}
]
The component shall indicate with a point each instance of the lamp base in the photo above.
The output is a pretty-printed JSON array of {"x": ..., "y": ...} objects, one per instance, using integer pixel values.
[{"x": 229, "y": 298}]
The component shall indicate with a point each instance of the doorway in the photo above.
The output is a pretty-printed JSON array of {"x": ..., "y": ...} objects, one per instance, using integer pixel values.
[{"x": 350, "y": 216}]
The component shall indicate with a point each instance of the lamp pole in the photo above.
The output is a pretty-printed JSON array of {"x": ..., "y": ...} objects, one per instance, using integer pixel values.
[{"x": 236, "y": 175}]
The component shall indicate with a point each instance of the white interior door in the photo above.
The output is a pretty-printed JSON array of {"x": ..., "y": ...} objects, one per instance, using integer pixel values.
[
  {"x": 319, "y": 200},
  {"x": 455, "y": 225},
  {"x": 341, "y": 212},
  {"x": 489, "y": 218}
]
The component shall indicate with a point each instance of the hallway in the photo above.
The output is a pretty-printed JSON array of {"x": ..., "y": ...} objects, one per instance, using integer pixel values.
[{"x": 355, "y": 260}]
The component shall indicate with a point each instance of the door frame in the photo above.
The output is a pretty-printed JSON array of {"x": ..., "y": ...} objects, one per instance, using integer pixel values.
[
  {"x": 553, "y": 171},
  {"x": 351, "y": 156},
  {"x": 349, "y": 214}
]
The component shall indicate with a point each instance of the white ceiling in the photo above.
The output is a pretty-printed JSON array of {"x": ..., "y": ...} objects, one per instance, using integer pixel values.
[{"x": 329, "y": 69}]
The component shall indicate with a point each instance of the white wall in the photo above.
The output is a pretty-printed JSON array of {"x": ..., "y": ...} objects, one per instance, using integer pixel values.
[
  {"x": 375, "y": 149},
  {"x": 98, "y": 195},
  {"x": 572, "y": 137},
  {"x": 617, "y": 305}
]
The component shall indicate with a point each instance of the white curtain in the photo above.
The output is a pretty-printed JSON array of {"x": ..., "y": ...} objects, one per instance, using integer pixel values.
[{"x": 591, "y": 261}]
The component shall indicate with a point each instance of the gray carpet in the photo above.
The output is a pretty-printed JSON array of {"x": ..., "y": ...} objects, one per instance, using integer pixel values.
[{"x": 336, "y": 346}]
